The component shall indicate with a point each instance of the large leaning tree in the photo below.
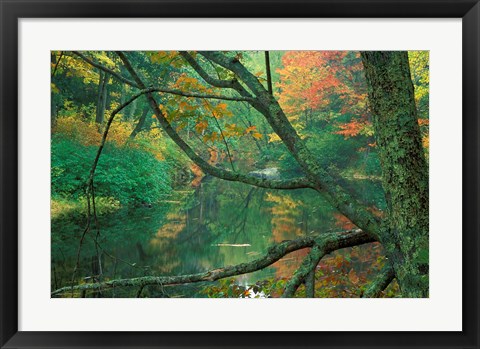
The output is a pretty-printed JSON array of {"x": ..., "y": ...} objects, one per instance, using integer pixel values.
[{"x": 403, "y": 231}]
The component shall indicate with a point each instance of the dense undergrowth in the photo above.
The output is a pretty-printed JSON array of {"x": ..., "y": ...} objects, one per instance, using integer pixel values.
[{"x": 129, "y": 172}]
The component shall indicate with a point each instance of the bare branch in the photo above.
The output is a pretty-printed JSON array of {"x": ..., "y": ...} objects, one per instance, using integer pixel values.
[{"x": 330, "y": 241}]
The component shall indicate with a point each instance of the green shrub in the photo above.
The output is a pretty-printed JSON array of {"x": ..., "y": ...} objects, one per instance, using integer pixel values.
[{"x": 128, "y": 174}]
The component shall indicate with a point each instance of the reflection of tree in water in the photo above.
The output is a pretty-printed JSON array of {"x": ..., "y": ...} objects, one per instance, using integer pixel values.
[{"x": 183, "y": 235}]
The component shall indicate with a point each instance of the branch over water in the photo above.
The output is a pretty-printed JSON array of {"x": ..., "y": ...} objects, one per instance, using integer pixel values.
[{"x": 329, "y": 242}]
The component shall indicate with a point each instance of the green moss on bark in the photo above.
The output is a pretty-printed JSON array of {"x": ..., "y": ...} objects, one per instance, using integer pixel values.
[{"x": 404, "y": 167}]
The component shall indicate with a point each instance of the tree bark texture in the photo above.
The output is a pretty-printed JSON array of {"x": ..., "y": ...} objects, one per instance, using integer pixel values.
[
  {"x": 404, "y": 231},
  {"x": 404, "y": 168},
  {"x": 269, "y": 72}
]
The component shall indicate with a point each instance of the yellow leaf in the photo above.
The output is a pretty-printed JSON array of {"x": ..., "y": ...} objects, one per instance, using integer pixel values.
[
  {"x": 257, "y": 135},
  {"x": 54, "y": 88},
  {"x": 426, "y": 142},
  {"x": 273, "y": 137}
]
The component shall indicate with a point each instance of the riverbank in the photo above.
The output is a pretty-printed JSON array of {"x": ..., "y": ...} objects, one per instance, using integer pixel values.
[{"x": 67, "y": 207}]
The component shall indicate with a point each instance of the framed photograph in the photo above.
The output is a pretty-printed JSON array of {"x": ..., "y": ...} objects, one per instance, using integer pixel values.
[{"x": 239, "y": 174}]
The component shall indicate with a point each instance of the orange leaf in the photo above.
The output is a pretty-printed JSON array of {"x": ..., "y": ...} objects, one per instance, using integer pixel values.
[
  {"x": 222, "y": 106},
  {"x": 201, "y": 126}
]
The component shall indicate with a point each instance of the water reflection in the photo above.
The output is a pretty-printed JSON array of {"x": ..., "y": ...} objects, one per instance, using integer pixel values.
[{"x": 214, "y": 224}]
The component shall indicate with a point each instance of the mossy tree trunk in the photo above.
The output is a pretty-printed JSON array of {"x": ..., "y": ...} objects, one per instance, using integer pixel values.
[{"x": 404, "y": 167}]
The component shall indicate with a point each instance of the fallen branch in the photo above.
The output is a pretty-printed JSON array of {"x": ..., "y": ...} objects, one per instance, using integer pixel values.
[
  {"x": 90, "y": 194},
  {"x": 380, "y": 283},
  {"x": 309, "y": 263},
  {"x": 329, "y": 241}
]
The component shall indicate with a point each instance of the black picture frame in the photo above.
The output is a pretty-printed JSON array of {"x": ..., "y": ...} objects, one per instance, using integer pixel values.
[{"x": 11, "y": 11}]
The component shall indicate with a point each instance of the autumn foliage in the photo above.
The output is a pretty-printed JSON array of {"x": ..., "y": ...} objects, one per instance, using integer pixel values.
[
  {"x": 317, "y": 85},
  {"x": 322, "y": 93}
]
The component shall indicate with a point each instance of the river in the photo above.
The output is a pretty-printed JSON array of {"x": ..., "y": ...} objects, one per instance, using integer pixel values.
[{"x": 210, "y": 224}]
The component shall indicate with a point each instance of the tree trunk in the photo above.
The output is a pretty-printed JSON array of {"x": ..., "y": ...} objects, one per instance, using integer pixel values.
[
  {"x": 102, "y": 97},
  {"x": 269, "y": 72},
  {"x": 53, "y": 105},
  {"x": 404, "y": 168}
]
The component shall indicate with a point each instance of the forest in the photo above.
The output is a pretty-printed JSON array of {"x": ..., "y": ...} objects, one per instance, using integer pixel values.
[{"x": 239, "y": 174}]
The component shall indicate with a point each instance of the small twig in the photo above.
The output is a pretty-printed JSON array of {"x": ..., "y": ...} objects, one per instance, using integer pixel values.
[{"x": 97, "y": 227}]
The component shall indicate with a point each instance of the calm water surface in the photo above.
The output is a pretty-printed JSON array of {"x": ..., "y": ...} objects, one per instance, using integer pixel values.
[{"x": 199, "y": 227}]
